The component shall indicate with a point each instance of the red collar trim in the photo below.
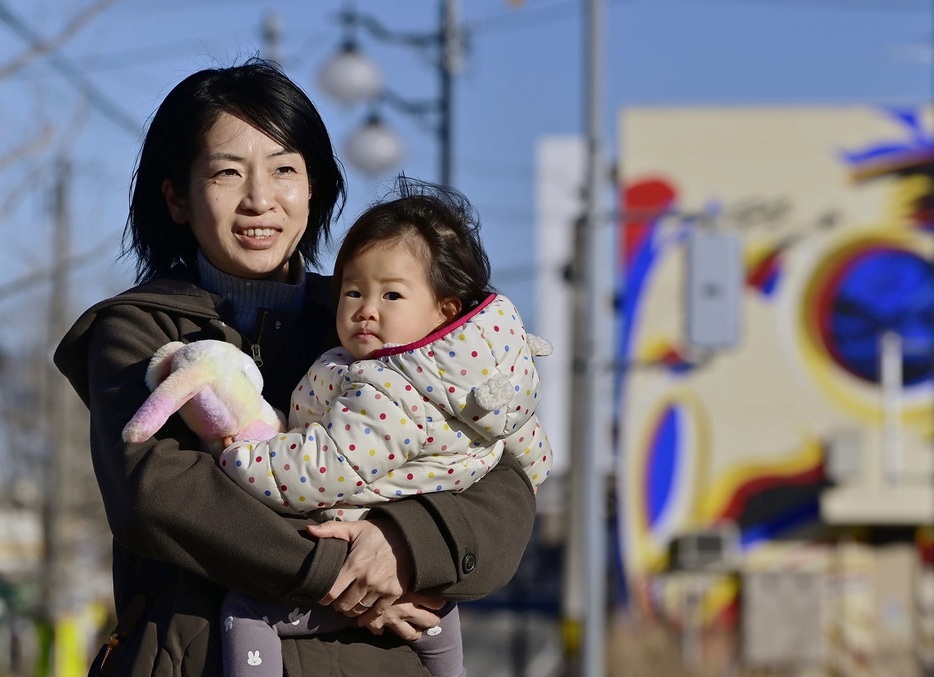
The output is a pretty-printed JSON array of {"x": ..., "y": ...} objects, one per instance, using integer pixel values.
[{"x": 440, "y": 333}]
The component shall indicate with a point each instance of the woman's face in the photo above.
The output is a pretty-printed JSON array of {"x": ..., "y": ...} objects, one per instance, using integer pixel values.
[{"x": 248, "y": 201}]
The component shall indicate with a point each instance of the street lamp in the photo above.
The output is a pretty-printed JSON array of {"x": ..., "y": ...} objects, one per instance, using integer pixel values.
[
  {"x": 350, "y": 77},
  {"x": 374, "y": 148}
]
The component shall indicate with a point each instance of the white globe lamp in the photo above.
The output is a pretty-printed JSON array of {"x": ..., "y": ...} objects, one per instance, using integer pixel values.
[
  {"x": 374, "y": 148},
  {"x": 350, "y": 77}
]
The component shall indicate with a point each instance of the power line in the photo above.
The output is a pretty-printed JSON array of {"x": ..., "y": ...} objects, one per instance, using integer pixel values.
[
  {"x": 517, "y": 19},
  {"x": 73, "y": 75},
  {"x": 531, "y": 17}
]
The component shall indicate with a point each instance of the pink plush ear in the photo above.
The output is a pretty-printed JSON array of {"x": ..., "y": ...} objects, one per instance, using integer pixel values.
[
  {"x": 155, "y": 410},
  {"x": 168, "y": 396}
]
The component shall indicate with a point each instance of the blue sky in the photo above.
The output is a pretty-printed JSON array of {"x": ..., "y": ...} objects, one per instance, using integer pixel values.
[{"x": 522, "y": 80}]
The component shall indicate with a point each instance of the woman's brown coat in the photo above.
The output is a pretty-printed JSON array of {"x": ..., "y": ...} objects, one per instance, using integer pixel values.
[{"x": 184, "y": 533}]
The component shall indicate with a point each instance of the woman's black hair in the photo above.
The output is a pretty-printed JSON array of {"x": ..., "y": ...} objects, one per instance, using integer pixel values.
[
  {"x": 261, "y": 95},
  {"x": 440, "y": 224}
]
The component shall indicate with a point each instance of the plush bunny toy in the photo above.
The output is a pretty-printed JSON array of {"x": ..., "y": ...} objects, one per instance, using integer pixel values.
[{"x": 216, "y": 389}]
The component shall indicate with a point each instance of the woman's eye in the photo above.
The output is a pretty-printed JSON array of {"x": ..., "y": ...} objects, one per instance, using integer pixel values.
[
  {"x": 229, "y": 171},
  {"x": 286, "y": 170}
]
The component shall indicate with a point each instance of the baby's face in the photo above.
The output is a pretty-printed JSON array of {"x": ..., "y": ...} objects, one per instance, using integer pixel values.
[{"x": 385, "y": 298}]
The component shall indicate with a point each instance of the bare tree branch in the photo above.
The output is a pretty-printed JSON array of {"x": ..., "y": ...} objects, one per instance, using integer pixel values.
[
  {"x": 39, "y": 48},
  {"x": 39, "y": 141}
]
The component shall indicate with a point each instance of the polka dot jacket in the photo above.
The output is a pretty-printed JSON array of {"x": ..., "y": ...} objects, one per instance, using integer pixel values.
[{"x": 408, "y": 421}]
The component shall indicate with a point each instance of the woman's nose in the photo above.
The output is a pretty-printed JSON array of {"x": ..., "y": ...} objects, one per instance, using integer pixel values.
[{"x": 259, "y": 196}]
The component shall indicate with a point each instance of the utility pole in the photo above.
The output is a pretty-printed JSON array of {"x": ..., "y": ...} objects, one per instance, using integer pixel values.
[
  {"x": 449, "y": 63},
  {"x": 55, "y": 507},
  {"x": 592, "y": 372}
]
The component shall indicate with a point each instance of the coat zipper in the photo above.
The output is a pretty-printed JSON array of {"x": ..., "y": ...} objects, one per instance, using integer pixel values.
[{"x": 255, "y": 345}]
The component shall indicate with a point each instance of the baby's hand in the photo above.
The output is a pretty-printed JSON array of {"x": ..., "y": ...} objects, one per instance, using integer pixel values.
[
  {"x": 407, "y": 617},
  {"x": 256, "y": 430}
]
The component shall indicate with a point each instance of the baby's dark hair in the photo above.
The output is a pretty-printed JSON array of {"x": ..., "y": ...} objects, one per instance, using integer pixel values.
[{"x": 439, "y": 224}]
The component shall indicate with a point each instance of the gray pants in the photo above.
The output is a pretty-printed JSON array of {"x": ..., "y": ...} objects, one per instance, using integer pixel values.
[{"x": 251, "y": 630}]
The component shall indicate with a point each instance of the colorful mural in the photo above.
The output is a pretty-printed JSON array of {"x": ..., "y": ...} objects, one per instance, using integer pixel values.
[{"x": 833, "y": 208}]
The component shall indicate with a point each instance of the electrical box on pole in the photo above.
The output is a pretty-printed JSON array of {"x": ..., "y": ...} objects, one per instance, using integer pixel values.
[{"x": 714, "y": 289}]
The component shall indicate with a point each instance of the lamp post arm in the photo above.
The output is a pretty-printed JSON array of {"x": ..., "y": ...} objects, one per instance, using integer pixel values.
[
  {"x": 421, "y": 108},
  {"x": 380, "y": 32}
]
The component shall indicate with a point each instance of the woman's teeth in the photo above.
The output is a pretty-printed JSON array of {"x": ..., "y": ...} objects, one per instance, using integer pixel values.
[{"x": 259, "y": 232}]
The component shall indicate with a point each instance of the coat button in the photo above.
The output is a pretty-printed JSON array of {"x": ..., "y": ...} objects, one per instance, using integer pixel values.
[{"x": 469, "y": 563}]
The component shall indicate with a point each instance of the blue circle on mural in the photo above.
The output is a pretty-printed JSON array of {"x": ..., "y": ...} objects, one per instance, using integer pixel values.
[
  {"x": 878, "y": 291},
  {"x": 662, "y": 467}
]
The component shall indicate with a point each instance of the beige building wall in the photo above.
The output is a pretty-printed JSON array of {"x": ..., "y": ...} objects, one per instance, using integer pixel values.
[{"x": 765, "y": 411}]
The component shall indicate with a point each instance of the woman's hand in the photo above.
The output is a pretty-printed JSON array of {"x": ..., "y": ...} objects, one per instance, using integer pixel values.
[
  {"x": 408, "y": 616},
  {"x": 377, "y": 570}
]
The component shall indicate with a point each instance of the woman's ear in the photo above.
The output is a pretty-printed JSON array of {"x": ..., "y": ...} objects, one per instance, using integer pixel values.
[
  {"x": 177, "y": 207},
  {"x": 451, "y": 308}
]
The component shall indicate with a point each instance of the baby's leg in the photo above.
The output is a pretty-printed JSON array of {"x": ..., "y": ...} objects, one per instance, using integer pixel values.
[
  {"x": 251, "y": 630},
  {"x": 441, "y": 648},
  {"x": 250, "y": 643}
]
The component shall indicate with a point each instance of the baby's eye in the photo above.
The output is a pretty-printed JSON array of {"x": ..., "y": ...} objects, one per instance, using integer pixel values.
[
  {"x": 353, "y": 294},
  {"x": 393, "y": 296}
]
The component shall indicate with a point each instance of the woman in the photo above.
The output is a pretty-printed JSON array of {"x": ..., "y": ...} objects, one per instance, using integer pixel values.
[{"x": 234, "y": 191}]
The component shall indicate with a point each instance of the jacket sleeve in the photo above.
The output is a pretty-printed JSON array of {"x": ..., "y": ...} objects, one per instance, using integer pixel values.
[
  {"x": 167, "y": 500},
  {"x": 529, "y": 444},
  {"x": 367, "y": 433}
]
